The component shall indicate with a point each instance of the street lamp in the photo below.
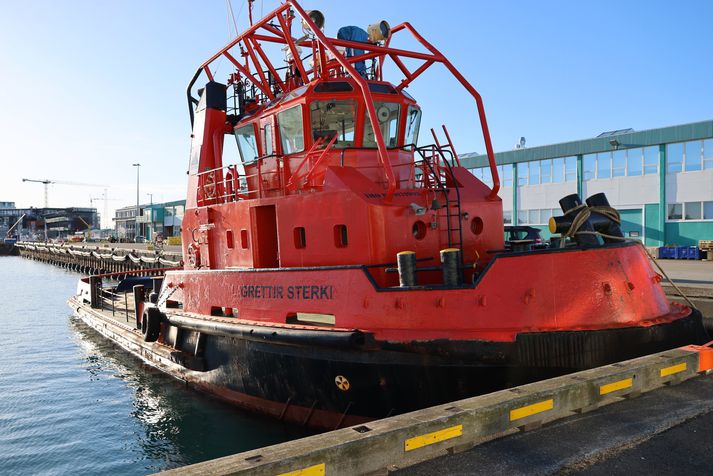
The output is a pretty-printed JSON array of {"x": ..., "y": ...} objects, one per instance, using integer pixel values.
[
  {"x": 153, "y": 228},
  {"x": 136, "y": 232}
]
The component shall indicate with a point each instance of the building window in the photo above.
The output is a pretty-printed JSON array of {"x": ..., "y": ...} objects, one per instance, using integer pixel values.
[
  {"x": 522, "y": 174},
  {"x": 533, "y": 217},
  {"x": 534, "y": 173},
  {"x": 603, "y": 165},
  {"x": 521, "y": 217},
  {"x": 693, "y": 156},
  {"x": 708, "y": 154},
  {"x": 589, "y": 163},
  {"x": 505, "y": 174},
  {"x": 692, "y": 210},
  {"x": 708, "y": 210},
  {"x": 546, "y": 171},
  {"x": 634, "y": 160},
  {"x": 507, "y": 216},
  {"x": 570, "y": 169},
  {"x": 674, "y": 158},
  {"x": 618, "y": 163},
  {"x": 558, "y": 170},
  {"x": 675, "y": 211},
  {"x": 651, "y": 160}
]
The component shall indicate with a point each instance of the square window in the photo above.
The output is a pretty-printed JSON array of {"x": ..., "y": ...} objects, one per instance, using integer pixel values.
[
  {"x": 545, "y": 215},
  {"x": 506, "y": 177},
  {"x": 651, "y": 160},
  {"x": 693, "y": 155},
  {"x": 604, "y": 165},
  {"x": 507, "y": 217},
  {"x": 708, "y": 210},
  {"x": 523, "y": 173},
  {"x": 675, "y": 211},
  {"x": 634, "y": 160},
  {"x": 557, "y": 170},
  {"x": 546, "y": 171},
  {"x": 521, "y": 217},
  {"x": 619, "y": 163},
  {"x": 589, "y": 163},
  {"x": 674, "y": 158},
  {"x": 570, "y": 167},
  {"x": 534, "y": 173},
  {"x": 533, "y": 217},
  {"x": 708, "y": 154},
  {"x": 693, "y": 210}
]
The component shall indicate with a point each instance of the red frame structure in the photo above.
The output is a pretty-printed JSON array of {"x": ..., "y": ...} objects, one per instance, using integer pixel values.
[{"x": 256, "y": 62}]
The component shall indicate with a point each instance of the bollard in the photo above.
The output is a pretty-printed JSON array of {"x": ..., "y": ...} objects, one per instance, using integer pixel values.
[
  {"x": 156, "y": 289},
  {"x": 95, "y": 284},
  {"x": 450, "y": 262},
  {"x": 407, "y": 268},
  {"x": 138, "y": 303}
]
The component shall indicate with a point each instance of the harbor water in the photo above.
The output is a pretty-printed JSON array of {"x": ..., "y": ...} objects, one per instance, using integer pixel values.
[{"x": 72, "y": 402}]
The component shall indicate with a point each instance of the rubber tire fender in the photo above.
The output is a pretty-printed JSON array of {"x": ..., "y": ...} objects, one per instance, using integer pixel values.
[{"x": 151, "y": 324}]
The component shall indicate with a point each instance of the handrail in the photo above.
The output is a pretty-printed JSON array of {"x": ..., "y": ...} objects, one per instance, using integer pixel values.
[{"x": 338, "y": 65}]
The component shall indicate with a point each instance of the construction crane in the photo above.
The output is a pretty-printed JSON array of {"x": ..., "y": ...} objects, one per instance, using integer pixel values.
[
  {"x": 105, "y": 215},
  {"x": 8, "y": 236},
  {"x": 47, "y": 182}
]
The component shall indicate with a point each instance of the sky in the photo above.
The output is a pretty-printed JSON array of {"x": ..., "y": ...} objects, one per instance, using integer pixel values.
[{"x": 90, "y": 87}]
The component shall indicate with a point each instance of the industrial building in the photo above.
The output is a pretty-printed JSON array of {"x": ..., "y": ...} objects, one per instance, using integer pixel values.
[
  {"x": 660, "y": 180},
  {"x": 165, "y": 218},
  {"x": 47, "y": 223}
]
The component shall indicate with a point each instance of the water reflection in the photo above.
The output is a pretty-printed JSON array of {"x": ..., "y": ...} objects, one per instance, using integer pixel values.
[{"x": 176, "y": 425}]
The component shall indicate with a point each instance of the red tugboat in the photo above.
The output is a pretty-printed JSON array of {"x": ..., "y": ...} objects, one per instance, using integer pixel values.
[{"x": 341, "y": 273}]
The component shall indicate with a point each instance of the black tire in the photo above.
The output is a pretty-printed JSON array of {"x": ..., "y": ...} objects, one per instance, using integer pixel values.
[{"x": 151, "y": 324}]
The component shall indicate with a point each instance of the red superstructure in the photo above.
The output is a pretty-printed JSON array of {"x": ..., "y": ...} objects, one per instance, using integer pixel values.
[{"x": 339, "y": 272}]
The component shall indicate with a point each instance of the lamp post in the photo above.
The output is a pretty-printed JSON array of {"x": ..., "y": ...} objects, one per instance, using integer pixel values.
[
  {"x": 136, "y": 231},
  {"x": 153, "y": 228}
]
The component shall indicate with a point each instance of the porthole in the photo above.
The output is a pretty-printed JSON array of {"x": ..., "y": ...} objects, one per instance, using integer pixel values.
[
  {"x": 419, "y": 230},
  {"x": 300, "y": 237},
  {"x": 476, "y": 225}
]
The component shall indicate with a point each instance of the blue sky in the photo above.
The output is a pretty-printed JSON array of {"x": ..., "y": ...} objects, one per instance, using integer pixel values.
[{"x": 90, "y": 87}]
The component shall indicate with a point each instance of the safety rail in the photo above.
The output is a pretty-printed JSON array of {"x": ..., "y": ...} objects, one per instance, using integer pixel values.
[
  {"x": 434, "y": 171},
  {"x": 108, "y": 300}
]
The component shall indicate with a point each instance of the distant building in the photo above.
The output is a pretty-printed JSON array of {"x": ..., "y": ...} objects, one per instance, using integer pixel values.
[
  {"x": 165, "y": 218},
  {"x": 660, "y": 180},
  {"x": 50, "y": 223},
  {"x": 4, "y": 205},
  {"x": 125, "y": 222}
]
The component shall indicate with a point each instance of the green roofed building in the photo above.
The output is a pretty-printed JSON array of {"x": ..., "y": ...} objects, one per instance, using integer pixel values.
[{"x": 660, "y": 180}]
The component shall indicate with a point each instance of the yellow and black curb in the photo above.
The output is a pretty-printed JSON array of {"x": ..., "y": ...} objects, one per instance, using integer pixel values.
[{"x": 413, "y": 437}]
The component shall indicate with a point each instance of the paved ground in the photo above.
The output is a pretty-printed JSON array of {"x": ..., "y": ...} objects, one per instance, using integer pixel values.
[
  {"x": 667, "y": 431},
  {"x": 688, "y": 272}
]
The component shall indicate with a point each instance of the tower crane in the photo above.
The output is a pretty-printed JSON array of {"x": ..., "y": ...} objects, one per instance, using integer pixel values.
[
  {"x": 105, "y": 199},
  {"x": 47, "y": 182}
]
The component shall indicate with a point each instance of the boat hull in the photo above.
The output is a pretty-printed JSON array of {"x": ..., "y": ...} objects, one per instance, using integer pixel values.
[{"x": 330, "y": 385}]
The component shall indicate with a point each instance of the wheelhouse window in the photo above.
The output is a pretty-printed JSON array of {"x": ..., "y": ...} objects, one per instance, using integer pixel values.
[
  {"x": 267, "y": 137},
  {"x": 292, "y": 132},
  {"x": 247, "y": 146},
  {"x": 387, "y": 113},
  {"x": 413, "y": 124},
  {"x": 330, "y": 118}
]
